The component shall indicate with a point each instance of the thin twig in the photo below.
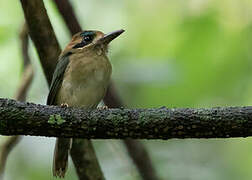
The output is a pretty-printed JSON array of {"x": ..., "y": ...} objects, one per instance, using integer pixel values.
[
  {"x": 21, "y": 94},
  {"x": 6, "y": 148},
  {"x": 141, "y": 159},
  {"x": 26, "y": 81}
]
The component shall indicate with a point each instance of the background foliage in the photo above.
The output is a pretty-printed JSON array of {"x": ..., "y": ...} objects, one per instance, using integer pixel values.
[{"x": 194, "y": 53}]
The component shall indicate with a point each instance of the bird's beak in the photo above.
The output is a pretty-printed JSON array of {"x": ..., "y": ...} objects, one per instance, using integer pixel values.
[{"x": 110, "y": 36}]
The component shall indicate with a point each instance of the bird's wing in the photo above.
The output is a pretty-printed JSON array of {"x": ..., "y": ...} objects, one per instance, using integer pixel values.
[{"x": 57, "y": 79}]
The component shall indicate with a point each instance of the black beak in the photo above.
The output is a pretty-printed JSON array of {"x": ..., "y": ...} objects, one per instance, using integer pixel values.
[{"x": 110, "y": 36}]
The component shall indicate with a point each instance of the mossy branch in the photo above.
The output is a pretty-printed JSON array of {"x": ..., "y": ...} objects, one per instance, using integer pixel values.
[{"x": 17, "y": 118}]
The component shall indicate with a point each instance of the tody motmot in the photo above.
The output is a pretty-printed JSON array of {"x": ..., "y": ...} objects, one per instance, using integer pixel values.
[{"x": 80, "y": 79}]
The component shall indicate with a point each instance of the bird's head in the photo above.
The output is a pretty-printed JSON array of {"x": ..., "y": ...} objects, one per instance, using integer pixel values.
[{"x": 90, "y": 40}]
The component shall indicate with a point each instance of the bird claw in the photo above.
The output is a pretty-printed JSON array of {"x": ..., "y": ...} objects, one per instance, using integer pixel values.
[
  {"x": 64, "y": 105},
  {"x": 102, "y": 108}
]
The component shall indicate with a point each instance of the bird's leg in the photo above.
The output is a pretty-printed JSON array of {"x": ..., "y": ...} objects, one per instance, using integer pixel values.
[
  {"x": 102, "y": 107},
  {"x": 64, "y": 105}
]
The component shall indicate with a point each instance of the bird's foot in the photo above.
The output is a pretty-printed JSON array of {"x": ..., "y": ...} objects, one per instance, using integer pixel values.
[
  {"x": 64, "y": 105},
  {"x": 102, "y": 107}
]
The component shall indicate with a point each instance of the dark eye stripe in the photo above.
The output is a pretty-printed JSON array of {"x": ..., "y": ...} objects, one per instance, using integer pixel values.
[
  {"x": 87, "y": 37},
  {"x": 79, "y": 45}
]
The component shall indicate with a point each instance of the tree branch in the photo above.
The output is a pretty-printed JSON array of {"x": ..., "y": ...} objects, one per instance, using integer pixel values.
[
  {"x": 141, "y": 158},
  {"x": 69, "y": 17},
  {"x": 85, "y": 161},
  {"x": 42, "y": 34},
  {"x": 5, "y": 151},
  {"x": 17, "y": 118}
]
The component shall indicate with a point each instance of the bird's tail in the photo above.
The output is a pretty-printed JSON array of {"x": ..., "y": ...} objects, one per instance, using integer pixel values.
[{"x": 60, "y": 159}]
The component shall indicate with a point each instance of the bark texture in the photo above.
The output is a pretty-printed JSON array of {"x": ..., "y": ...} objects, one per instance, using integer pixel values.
[{"x": 18, "y": 118}]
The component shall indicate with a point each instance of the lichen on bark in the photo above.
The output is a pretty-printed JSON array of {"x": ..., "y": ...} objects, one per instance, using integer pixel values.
[{"x": 18, "y": 118}]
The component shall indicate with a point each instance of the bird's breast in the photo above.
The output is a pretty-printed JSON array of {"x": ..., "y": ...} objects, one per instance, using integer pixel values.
[{"x": 85, "y": 81}]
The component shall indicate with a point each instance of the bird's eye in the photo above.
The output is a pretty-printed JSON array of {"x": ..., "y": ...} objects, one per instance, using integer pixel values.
[{"x": 87, "y": 38}]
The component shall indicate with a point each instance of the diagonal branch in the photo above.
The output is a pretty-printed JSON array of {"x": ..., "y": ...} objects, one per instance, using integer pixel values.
[
  {"x": 42, "y": 34},
  {"x": 136, "y": 149},
  {"x": 5, "y": 151},
  {"x": 67, "y": 12},
  {"x": 18, "y": 118},
  {"x": 141, "y": 158},
  {"x": 85, "y": 161}
]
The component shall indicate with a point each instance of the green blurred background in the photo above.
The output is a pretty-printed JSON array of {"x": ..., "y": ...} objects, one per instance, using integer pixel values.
[{"x": 183, "y": 53}]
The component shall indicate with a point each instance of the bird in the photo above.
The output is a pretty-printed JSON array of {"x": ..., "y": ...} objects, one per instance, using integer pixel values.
[{"x": 80, "y": 79}]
